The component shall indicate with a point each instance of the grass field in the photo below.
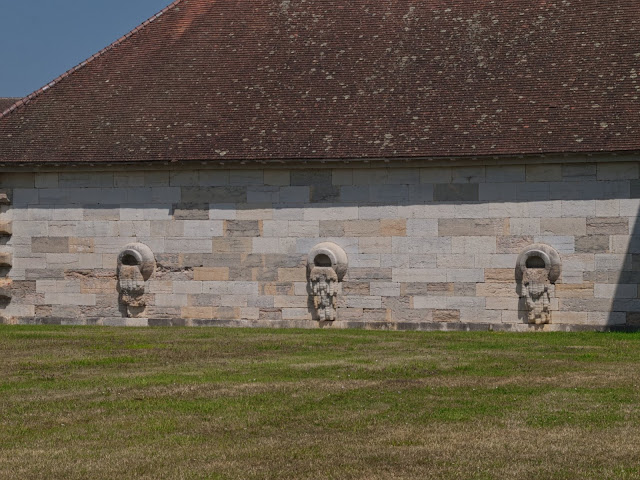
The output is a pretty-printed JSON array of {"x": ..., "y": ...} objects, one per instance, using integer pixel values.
[{"x": 107, "y": 403}]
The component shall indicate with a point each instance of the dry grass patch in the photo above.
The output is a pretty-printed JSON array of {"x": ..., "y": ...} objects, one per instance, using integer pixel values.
[{"x": 106, "y": 403}]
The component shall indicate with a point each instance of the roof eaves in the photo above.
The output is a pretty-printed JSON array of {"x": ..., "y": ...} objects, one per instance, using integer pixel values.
[{"x": 69, "y": 72}]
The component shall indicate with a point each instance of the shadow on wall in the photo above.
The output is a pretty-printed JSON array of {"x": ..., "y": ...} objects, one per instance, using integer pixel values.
[{"x": 624, "y": 313}]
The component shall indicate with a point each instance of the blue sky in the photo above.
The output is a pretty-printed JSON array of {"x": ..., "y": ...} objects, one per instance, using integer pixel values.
[{"x": 40, "y": 39}]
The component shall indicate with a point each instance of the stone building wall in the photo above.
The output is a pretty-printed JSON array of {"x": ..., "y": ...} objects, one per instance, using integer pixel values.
[{"x": 428, "y": 247}]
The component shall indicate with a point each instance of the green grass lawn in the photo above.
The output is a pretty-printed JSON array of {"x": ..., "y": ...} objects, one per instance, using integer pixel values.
[{"x": 107, "y": 403}]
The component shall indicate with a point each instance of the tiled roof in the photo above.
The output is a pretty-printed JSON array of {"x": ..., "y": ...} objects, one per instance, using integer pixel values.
[
  {"x": 335, "y": 79},
  {"x": 5, "y": 103}
]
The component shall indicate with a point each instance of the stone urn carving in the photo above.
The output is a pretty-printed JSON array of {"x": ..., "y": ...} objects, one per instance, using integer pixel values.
[
  {"x": 537, "y": 271},
  {"x": 136, "y": 264},
  {"x": 326, "y": 266}
]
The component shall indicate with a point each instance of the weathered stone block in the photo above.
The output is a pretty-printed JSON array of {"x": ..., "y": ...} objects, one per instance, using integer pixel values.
[
  {"x": 583, "y": 290},
  {"x": 446, "y": 315},
  {"x": 393, "y": 227},
  {"x": 459, "y": 192},
  {"x": 592, "y": 244},
  {"x": 608, "y": 226},
  {"x": 324, "y": 193},
  {"x": 211, "y": 274},
  {"x": 311, "y": 177},
  {"x": 191, "y": 211},
  {"x": 544, "y": 173},
  {"x": 292, "y": 274},
  {"x": 473, "y": 227},
  {"x": 493, "y": 275},
  {"x": 242, "y": 228},
  {"x": 563, "y": 226},
  {"x": 232, "y": 245}
]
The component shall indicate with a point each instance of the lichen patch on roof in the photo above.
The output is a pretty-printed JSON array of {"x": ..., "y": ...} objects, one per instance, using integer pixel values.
[{"x": 297, "y": 79}]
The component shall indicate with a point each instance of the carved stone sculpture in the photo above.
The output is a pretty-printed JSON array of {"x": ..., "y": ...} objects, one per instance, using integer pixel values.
[
  {"x": 5, "y": 199},
  {"x": 327, "y": 265},
  {"x": 6, "y": 260},
  {"x": 136, "y": 264},
  {"x": 537, "y": 271},
  {"x": 5, "y": 290},
  {"x": 5, "y": 229}
]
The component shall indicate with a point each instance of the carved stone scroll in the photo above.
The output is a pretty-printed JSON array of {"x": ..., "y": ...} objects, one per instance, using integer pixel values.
[
  {"x": 537, "y": 271},
  {"x": 136, "y": 264}
]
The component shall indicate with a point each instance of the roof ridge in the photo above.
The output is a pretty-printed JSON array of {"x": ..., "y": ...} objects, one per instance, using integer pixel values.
[{"x": 25, "y": 100}]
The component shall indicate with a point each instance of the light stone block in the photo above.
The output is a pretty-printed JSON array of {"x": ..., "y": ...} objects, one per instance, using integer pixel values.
[
  {"x": 496, "y": 261},
  {"x": 607, "y": 208},
  {"x": 203, "y": 228},
  {"x": 471, "y": 210},
  {"x": 133, "y": 229},
  {"x": 222, "y": 211},
  {"x": 303, "y": 229},
  {"x": 30, "y": 228},
  {"x": 188, "y": 245},
  {"x": 602, "y": 290},
  {"x": 427, "y": 245},
  {"x": 172, "y": 300},
  {"x": 524, "y": 226},
  {"x": 563, "y": 226},
  {"x": 358, "y": 301},
  {"x": 468, "y": 275},
  {"x": 364, "y": 260},
  {"x": 255, "y": 212},
  {"x": 456, "y": 260},
  {"x": 375, "y": 244},
  {"x": 405, "y": 261},
  {"x": 384, "y": 289},
  {"x": 296, "y": 314},
  {"x": 473, "y": 245},
  {"x": 480, "y": 315},
  {"x": 187, "y": 287},
  {"x": 612, "y": 262},
  {"x": 230, "y": 288},
  {"x": 69, "y": 299},
  {"x": 630, "y": 207},
  {"x": 377, "y": 212},
  {"x": 430, "y": 211},
  {"x": 563, "y": 244},
  {"x": 331, "y": 212},
  {"x": 410, "y": 275},
  {"x": 578, "y": 208},
  {"x": 508, "y": 210},
  {"x": 545, "y": 209}
]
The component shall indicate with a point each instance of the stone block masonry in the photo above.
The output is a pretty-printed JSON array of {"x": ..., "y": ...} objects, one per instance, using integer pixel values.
[{"x": 429, "y": 247}]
